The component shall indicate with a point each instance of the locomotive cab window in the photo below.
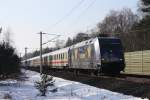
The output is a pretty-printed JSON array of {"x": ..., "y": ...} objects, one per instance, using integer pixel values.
[{"x": 111, "y": 50}]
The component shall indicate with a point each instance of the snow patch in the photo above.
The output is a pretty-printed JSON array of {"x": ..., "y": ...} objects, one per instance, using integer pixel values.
[{"x": 66, "y": 90}]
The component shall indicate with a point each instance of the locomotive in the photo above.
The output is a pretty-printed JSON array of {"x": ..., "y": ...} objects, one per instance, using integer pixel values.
[{"x": 100, "y": 54}]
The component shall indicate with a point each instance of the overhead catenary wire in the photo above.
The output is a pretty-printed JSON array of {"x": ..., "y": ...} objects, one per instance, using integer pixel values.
[
  {"x": 68, "y": 14},
  {"x": 88, "y": 7},
  {"x": 52, "y": 40},
  {"x": 84, "y": 11}
]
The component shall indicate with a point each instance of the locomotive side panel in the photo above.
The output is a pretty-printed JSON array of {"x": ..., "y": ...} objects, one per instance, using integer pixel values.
[{"x": 85, "y": 55}]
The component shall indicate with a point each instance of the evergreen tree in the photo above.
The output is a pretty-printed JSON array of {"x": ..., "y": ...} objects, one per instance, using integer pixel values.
[
  {"x": 43, "y": 84},
  {"x": 145, "y": 7},
  {"x": 9, "y": 61},
  {"x": 141, "y": 30}
]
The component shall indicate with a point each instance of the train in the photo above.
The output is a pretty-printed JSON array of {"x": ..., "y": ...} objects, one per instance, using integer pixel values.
[{"x": 97, "y": 55}]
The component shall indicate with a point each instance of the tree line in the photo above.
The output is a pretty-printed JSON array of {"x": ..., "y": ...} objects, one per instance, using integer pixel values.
[{"x": 133, "y": 29}]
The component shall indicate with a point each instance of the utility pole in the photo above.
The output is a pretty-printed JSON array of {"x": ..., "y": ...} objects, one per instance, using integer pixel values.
[
  {"x": 41, "y": 60},
  {"x": 26, "y": 57}
]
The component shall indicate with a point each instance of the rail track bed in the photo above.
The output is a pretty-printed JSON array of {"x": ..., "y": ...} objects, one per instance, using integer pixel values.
[{"x": 127, "y": 84}]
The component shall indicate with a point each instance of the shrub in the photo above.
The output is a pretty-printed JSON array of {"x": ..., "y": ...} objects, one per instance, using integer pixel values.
[{"x": 43, "y": 84}]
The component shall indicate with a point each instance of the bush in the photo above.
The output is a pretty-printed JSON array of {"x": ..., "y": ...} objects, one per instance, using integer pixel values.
[{"x": 9, "y": 61}]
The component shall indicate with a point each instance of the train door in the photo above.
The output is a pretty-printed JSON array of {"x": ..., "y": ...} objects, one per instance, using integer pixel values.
[
  {"x": 91, "y": 55},
  {"x": 45, "y": 61},
  {"x": 50, "y": 60},
  {"x": 69, "y": 58}
]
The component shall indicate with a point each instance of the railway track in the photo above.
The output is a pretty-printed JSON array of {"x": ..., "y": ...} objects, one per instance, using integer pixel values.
[
  {"x": 123, "y": 76},
  {"x": 126, "y": 77}
]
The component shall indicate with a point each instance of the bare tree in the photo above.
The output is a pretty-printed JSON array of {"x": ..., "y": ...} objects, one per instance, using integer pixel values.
[
  {"x": 118, "y": 22},
  {"x": 8, "y": 36},
  {"x": 0, "y": 31},
  {"x": 59, "y": 44},
  {"x": 69, "y": 42},
  {"x": 80, "y": 37}
]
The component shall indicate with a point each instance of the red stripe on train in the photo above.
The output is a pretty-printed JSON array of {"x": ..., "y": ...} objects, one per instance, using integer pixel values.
[{"x": 58, "y": 62}]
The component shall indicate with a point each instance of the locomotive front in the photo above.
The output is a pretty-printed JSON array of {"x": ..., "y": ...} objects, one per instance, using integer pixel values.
[{"x": 112, "y": 55}]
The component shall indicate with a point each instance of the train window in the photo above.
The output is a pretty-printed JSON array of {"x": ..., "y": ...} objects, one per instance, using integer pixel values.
[
  {"x": 76, "y": 53},
  {"x": 66, "y": 56},
  {"x": 50, "y": 58},
  {"x": 63, "y": 55}
]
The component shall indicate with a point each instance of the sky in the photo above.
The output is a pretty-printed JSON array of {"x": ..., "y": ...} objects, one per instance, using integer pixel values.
[{"x": 25, "y": 18}]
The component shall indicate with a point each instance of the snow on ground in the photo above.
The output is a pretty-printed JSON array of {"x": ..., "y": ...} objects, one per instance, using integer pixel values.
[{"x": 66, "y": 90}]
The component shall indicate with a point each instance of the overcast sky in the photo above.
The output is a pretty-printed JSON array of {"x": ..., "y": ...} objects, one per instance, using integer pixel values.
[{"x": 25, "y": 18}]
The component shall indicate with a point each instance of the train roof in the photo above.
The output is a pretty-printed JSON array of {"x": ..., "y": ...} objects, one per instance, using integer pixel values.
[
  {"x": 62, "y": 50},
  {"x": 91, "y": 41},
  {"x": 83, "y": 43},
  {"x": 50, "y": 53}
]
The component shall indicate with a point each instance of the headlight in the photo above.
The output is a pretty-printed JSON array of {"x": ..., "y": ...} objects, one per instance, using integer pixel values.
[
  {"x": 103, "y": 59},
  {"x": 121, "y": 59}
]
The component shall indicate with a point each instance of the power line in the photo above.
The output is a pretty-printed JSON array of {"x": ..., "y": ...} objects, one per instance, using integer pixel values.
[
  {"x": 52, "y": 40},
  {"x": 88, "y": 7},
  {"x": 69, "y": 13}
]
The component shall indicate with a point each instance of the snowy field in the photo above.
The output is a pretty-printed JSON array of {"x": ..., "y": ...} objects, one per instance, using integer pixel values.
[{"x": 66, "y": 90}]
